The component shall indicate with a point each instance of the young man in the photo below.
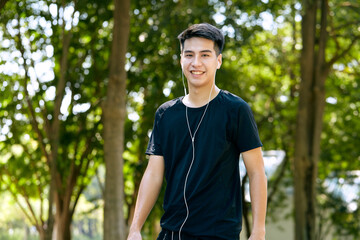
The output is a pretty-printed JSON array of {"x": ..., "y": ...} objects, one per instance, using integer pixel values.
[{"x": 196, "y": 143}]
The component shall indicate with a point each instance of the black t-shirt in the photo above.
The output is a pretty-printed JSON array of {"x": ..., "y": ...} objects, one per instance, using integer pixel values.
[{"x": 213, "y": 190}]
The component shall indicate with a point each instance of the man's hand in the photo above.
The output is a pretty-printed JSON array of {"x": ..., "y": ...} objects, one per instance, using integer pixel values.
[
  {"x": 134, "y": 236},
  {"x": 256, "y": 236}
]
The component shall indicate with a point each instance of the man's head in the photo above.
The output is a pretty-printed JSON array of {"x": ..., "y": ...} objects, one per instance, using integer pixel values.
[{"x": 203, "y": 30}]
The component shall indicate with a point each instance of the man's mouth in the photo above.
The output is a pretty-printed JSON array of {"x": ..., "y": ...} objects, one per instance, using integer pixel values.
[{"x": 196, "y": 72}]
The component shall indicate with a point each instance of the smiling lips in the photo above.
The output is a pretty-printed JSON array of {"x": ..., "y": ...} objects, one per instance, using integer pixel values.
[{"x": 196, "y": 72}]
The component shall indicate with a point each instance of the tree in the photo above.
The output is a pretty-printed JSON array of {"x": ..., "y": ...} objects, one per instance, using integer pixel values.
[
  {"x": 260, "y": 66},
  {"x": 315, "y": 67},
  {"x": 114, "y": 118},
  {"x": 54, "y": 121}
]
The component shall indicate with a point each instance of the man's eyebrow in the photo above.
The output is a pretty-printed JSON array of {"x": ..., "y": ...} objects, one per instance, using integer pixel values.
[{"x": 202, "y": 51}]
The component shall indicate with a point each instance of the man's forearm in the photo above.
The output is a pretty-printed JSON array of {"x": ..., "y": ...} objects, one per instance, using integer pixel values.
[
  {"x": 258, "y": 194},
  {"x": 149, "y": 190},
  {"x": 148, "y": 193}
]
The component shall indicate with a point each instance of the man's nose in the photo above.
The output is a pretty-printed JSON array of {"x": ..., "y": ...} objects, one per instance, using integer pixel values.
[{"x": 196, "y": 61}]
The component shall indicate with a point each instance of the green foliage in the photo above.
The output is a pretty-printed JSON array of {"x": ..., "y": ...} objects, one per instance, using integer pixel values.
[
  {"x": 35, "y": 34},
  {"x": 340, "y": 154},
  {"x": 260, "y": 65}
]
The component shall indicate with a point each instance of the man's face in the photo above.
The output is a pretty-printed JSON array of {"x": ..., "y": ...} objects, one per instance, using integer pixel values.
[{"x": 199, "y": 61}]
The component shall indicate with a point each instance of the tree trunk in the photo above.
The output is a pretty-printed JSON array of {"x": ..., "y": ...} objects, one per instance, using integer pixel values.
[
  {"x": 64, "y": 210},
  {"x": 56, "y": 185},
  {"x": 310, "y": 118},
  {"x": 63, "y": 223},
  {"x": 114, "y": 111},
  {"x": 51, "y": 219}
]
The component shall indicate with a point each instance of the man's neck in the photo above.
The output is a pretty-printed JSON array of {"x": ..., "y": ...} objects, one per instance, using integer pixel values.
[{"x": 200, "y": 97}]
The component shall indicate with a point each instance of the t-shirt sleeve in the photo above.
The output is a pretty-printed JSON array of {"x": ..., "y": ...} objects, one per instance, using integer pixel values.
[
  {"x": 154, "y": 145},
  {"x": 247, "y": 136}
]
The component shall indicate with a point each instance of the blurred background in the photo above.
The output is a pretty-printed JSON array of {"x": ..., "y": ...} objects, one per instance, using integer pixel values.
[{"x": 80, "y": 82}]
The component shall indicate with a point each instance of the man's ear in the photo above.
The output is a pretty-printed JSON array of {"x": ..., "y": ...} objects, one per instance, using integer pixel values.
[{"x": 219, "y": 59}]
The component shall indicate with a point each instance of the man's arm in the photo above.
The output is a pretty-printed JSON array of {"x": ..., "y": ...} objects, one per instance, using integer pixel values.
[
  {"x": 149, "y": 190},
  {"x": 254, "y": 164}
]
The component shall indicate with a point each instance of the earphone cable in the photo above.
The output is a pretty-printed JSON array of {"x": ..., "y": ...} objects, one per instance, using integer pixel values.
[{"x": 193, "y": 154}]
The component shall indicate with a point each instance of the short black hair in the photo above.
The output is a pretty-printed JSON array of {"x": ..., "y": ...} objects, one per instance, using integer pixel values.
[{"x": 204, "y": 30}]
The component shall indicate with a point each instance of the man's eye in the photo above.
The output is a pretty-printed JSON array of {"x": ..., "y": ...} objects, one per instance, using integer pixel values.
[
  {"x": 188, "y": 55},
  {"x": 205, "y": 55}
]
